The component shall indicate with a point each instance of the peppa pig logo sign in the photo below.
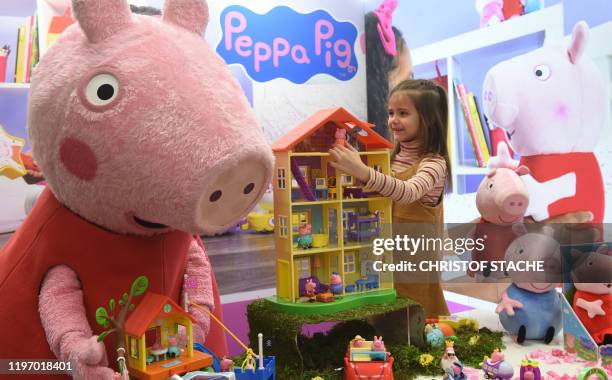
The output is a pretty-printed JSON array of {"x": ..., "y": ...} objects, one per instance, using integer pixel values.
[{"x": 286, "y": 44}]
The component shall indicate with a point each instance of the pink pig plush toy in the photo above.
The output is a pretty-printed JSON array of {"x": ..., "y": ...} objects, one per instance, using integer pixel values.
[
  {"x": 551, "y": 102},
  {"x": 501, "y": 200},
  {"x": 146, "y": 142}
]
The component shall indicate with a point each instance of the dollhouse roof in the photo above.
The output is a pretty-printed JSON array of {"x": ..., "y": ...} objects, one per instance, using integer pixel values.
[
  {"x": 151, "y": 308},
  {"x": 342, "y": 119}
]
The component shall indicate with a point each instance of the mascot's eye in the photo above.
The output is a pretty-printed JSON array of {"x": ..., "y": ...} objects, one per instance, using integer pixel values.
[
  {"x": 521, "y": 251},
  {"x": 102, "y": 89},
  {"x": 490, "y": 185},
  {"x": 542, "y": 72}
]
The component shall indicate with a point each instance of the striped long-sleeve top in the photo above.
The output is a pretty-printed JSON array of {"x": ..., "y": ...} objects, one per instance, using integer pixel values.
[{"x": 426, "y": 185}]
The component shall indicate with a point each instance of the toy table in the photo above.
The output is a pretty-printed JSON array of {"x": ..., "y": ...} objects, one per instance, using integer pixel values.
[
  {"x": 361, "y": 285},
  {"x": 159, "y": 352}
]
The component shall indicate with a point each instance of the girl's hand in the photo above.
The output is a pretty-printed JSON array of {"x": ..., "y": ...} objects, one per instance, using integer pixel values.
[{"x": 346, "y": 159}]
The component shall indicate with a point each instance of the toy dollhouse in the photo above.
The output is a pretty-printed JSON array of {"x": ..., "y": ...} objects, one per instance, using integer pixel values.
[
  {"x": 152, "y": 342},
  {"x": 325, "y": 219}
]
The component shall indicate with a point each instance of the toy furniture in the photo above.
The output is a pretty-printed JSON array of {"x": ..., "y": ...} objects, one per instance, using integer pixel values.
[
  {"x": 356, "y": 222},
  {"x": 158, "y": 353},
  {"x": 326, "y": 196}
]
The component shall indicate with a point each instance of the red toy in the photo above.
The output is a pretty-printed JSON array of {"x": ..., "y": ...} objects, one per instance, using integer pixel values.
[
  {"x": 512, "y": 8},
  {"x": 367, "y": 360}
]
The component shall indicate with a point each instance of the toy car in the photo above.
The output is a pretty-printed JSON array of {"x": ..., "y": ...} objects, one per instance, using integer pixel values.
[{"x": 362, "y": 363}]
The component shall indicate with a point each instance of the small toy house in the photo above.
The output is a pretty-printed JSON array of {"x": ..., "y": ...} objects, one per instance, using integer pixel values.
[
  {"x": 151, "y": 340},
  {"x": 342, "y": 215}
]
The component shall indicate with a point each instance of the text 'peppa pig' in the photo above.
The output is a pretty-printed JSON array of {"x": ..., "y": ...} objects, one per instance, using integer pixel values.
[{"x": 298, "y": 47}]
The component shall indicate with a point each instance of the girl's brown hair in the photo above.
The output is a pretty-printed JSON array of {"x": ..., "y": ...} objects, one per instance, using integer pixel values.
[{"x": 431, "y": 104}]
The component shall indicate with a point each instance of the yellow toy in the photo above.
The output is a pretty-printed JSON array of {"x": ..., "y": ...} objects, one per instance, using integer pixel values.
[
  {"x": 262, "y": 218},
  {"x": 11, "y": 165},
  {"x": 307, "y": 190}
]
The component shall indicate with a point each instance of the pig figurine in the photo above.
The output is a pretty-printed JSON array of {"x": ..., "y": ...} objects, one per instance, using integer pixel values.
[
  {"x": 340, "y": 136},
  {"x": 531, "y": 308},
  {"x": 502, "y": 200},
  {"x": 304, "y": 239},
  {"x": 551, "y": 102},
  {"x": 310, "y": 289},
  {"x": 146, "y": 142},
  {"x": 378, "y": 344},
  {"x": 593, "y": 300}
]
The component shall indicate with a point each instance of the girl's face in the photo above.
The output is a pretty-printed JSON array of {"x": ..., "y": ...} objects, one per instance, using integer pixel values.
[{"x": 404, "y": 119}]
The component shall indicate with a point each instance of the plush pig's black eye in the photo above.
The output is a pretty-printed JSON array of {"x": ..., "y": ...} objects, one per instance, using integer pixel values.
[
  {"x": 102, "y": 89},
  {"x": 542, "y": 72}
]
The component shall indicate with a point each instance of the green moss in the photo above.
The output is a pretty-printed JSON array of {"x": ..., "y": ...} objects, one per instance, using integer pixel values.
[{"x": 300, "y": 357}]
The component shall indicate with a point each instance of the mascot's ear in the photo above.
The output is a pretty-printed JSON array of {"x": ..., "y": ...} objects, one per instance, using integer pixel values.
[
  {"x": 100, "y": 19},
  {"x": 579, "y": 41},
  {"x": 189, "y": 14}
]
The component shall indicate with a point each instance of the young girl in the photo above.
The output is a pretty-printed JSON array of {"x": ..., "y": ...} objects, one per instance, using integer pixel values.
[{"x": 418, "y": 113}]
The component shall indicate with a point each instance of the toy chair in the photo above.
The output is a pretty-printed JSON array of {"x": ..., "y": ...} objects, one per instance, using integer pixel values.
[{"x": 355, "y": 221}]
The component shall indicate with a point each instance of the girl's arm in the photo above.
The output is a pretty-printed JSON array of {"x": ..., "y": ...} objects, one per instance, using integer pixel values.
[{"x": 429, "y": 173}]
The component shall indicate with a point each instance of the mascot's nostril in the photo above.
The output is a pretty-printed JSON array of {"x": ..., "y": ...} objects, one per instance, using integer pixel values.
[
  {"x": 248, "y": 188},
  {"x": 215, "y": 196}
]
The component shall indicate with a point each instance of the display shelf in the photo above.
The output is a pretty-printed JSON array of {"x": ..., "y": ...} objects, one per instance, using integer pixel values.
[
  {"x": 469, "y": 170},
  {"x": 467, "y": 58},
  {"x": 549, "y": 20},
  {"x": 8, "y": 88}
]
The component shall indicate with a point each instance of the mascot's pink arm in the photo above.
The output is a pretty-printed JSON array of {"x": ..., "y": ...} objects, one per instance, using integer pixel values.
[
  {"x": 62, "y": 314},
  {"x": 198, "y": 267},
  {"x": 69, "y": 335}
]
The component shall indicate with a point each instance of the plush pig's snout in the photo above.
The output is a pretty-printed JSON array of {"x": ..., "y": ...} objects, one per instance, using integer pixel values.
[
  {"x": 514, "y": 204},
  {"x": 500, "y": 110},
  {"x": 231, "y": 192}
]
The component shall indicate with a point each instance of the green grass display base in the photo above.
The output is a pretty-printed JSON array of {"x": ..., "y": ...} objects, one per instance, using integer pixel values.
[
  {"x": 299, "y": 357},
  {"x": 340, "y": 304}
]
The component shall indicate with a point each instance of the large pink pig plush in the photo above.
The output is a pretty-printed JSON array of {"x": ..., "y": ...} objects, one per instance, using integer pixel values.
[
  {"x": 501, "y": 200},
  {"x": 551, "y": 102},
  {"x": 146, "y": 142}
]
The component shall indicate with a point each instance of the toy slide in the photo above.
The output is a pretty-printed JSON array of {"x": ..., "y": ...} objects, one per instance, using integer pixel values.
[{"x": 304, "y": 187}]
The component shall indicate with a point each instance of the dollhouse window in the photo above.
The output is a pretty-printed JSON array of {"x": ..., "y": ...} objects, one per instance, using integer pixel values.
[
  {"x": 134, "y": 347},
  {"x": 349, "y": 263},
  {"x": 303, "y": 267},
  {"x": 281, "y": 178},
  {"x": 346, "y": 179},
  {"x": 283, "y": 229}
]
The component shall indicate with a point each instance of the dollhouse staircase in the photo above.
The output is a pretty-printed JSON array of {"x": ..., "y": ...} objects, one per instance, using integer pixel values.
[{"x": 304, "y": 187}]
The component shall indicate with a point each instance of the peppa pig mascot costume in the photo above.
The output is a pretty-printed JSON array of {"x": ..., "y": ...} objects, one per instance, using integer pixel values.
[
  {"x": 146, "y": 141},
  {"x": 551, "y": 104}
]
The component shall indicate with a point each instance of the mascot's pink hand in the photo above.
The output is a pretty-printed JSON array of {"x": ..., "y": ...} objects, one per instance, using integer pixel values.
[
  {"x": 62, "y": 314},
  {"x": 82, "y": 371}
]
